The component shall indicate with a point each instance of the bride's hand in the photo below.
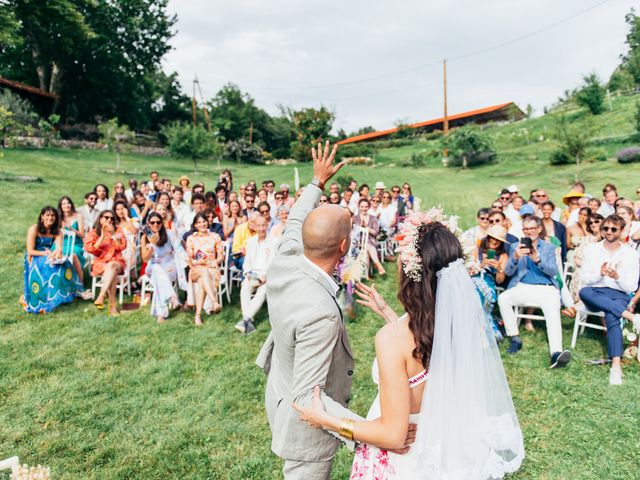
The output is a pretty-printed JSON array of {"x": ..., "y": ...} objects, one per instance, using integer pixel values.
[
  {"x": 370, "y": 298},
  {"x": 316, "y": 416}
]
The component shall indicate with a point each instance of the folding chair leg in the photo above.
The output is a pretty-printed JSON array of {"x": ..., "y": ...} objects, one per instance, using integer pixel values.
[{"x": 576, "y": 327}]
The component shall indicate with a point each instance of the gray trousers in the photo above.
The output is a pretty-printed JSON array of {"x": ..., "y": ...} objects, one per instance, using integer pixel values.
[{"x": 299, "y": 470}]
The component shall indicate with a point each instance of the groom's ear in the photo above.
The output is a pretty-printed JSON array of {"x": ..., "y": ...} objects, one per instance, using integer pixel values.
[{"x": 344, "y": 246}]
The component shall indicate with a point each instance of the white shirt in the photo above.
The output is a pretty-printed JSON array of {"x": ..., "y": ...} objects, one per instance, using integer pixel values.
[
  {"x": 350, "y": 206},
  {"x": 387, "y": 215},
  {"x": 573, "y": 217},
  {"x": 605, "y": 210},
  {"x": 181, "y": 211},
  {"x": 328, "y": 277},
  {"x": 106, "y": 204},
  {"x": 90, "y": 217},
  {"x": 129, "y": 194},
  {"x": 259, "y": 255},
  {"x": 624, "y": 260}
]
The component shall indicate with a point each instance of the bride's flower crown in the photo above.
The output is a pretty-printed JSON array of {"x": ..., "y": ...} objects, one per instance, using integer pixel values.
[{"x": 410, "y": 233}]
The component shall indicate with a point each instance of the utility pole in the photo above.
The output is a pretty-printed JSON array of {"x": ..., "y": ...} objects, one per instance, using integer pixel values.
[
  {"x": 445, "y": 123},
  {"x": 193, "y": 102},
  {"x": 251, "y": 134},
  {"x": 205, "y": 112}
]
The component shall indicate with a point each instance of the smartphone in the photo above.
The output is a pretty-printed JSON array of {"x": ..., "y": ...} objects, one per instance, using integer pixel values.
[
  {"x": 526, "y": 242},
  {"x": 491, "y": 254}
]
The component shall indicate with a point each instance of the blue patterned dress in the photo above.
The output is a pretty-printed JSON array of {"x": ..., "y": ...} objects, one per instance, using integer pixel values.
[{"x": 47, "y": 285}]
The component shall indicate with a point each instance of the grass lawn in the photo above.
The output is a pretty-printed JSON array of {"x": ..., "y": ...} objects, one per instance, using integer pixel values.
[{"x": 101, "y": 398}]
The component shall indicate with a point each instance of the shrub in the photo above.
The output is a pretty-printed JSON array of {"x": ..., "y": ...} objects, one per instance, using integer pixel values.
[
  {"x": 419, "y": 159},
  {"x": 242, "y": 151},
  {"x": 560, "y": 157},
  {"x": 194, "y": 142},
  {"x": 628, "y": 155},
  {"x": 344, "y": 181},
  {"x": 469, "y": 147},
  {"x": 591, "y": 95},
  {"x": 20, "y": 108},
  {"x": 598, "y": 155},
  {"x": 364, "y": 149}
]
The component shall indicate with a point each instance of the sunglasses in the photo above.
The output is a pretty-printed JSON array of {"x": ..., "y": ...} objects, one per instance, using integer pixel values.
[
  {"x": 279, "y": 198},
  {"x": 594, "y": 222},
  {"x": 395, "y": 191},
  {"x": 156, "y": 222},
  {"x": 610, "y": 229},
  {"x": 376, "y": 200},
  {"x": 505, "y": 198},
  {"x": 262, "y": 212},
  {"x": 483, "y": 218},
  {"x": 250, "y": 201},
  {"x": 495, "y": 220},
  {"x": 110, "y": 218},
  {"x": 323, "y": 201},
  {"x": 386, "y": 196}
]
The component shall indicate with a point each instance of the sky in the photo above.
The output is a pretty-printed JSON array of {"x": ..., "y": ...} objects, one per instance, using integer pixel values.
[{"x": 380, "y": 63}]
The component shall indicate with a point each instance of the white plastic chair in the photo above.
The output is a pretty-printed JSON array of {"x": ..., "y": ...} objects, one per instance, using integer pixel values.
[
  {"x": 124, "y": 282},
  {"x": 11, "y": 463},
  {"x": 582, "y": 317},
  {"x": 363, "y": 245},
  {"x": 225, "y": 284}
]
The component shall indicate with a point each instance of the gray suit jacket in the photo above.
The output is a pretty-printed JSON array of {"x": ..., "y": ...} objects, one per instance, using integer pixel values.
[{"x": 308, "y": 346}]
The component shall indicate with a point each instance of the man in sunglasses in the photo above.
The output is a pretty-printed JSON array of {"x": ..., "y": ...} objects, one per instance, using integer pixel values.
[
  {"x": 609, "y": 275},
  {"x": 477, "y": 233},
  {"x": 397, "y": 202},
  {"x": 533, "y": 268}
]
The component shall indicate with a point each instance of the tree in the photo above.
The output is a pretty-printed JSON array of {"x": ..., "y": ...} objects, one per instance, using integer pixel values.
[
  {"x": 631, "y": 59},
  {"x": 310, "y": 125},
  {"x": 6, "y": 124},
  {"x": 591, "y": 95},
  {"x": 114, "y": 135},
  {"x": 100, "y": 57},
  {"x": 574, "y": 139},
  {"x": 468, "y": 146},
  {"x": 193, "y": 142},
  {"x": 48, "y": 130},
  {"x": 637, "y": 117}
]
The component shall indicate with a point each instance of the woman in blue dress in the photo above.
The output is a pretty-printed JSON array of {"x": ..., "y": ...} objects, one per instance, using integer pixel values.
[
  {"x": 72, "y": 221},
  {"x": 49, "y": 279}
]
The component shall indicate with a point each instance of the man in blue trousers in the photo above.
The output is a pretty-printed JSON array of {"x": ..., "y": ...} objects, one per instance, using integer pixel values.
[{"x": 610, "y": 273}]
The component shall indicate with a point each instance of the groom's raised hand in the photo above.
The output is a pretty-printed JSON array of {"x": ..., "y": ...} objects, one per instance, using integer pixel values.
[{"x": 323, "y": 167}]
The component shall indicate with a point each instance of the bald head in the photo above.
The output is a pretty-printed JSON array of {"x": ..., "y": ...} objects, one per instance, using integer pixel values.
[{"x": 324, "y": 230}]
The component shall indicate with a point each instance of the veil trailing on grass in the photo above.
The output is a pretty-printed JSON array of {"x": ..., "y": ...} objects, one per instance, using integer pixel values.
[{"x": 468, "y": 428}]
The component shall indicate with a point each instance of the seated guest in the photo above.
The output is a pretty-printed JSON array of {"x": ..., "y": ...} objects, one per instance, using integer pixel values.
[
  {"x": 264, "y": 210},
  {"x": 407, "y": 196},
  {"x": 250, "y": 202},
  {"x": 491, "y": 257},
  {"x": 103, "y": 201},
  {"x": 260, "y": 251},
  {"x": 118, "y": 192},
  {"x": 334, "y": 198},
  {"x": 214, "y": 225},
  {"x": 232, "y": 218},
  {"x": 140, "y": 207},
  {"x": 184, "y": 182},
  {"x": 594, "y": 205},
  {"x": 476, "y": 234},
  {"x": 324, "y": 200},
  {"x": 533, "y": 271},
  {"x": 346, "y": 201},
  {"x": 106, "y": 243},
  {"x": 74, "y": 222},
  {"x": 609, "y": 195},
  {"x": 283, "y": 215},
  {"x": 278, "y": 200},
  {"x": 157, "y": 252},
  {"x": 197, "y": 206},
  {"x": 496, "y": 217},
  {"x": 286, "y": 199},
  {"x": 376, "y": 201},
  {"x": 89, "y": 211},
  {"x": 577, "y": 232},
  {"x": 553, "y": 227},
  {"x": 631, "y": 232},
  {"x": 221, "y": 197},
  {"x": 363, "y": 192},
  {"x": 133, "y": 187},
  {"x": 240, "y": 236},
  {"x": 180, "y": 209},
  {"x": 164, "y": 198},
  {"x": 396, "y": 201},
  {"x": 198, "y": 188},
  {"x": 364, "y": 221},
  {"x": 205, "y": 252},
  {"x": 49, "y": 280},
  {"x": 388, "y": 214},
  {"x": 610, "y": 273},
  {"x": 512, "y": 210}
]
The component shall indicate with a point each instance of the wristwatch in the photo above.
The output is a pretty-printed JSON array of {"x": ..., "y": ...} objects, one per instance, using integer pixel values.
[{"x": 316, "y": 182}]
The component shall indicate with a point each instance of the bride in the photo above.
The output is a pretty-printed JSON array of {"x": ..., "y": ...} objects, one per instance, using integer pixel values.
[{"x": 437, "y": 366}]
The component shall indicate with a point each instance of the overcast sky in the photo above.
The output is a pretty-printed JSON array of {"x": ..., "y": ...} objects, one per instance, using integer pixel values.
[{"x": 334, "y": 53}]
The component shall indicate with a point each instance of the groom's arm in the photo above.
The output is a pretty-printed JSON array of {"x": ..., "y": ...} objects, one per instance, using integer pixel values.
[
  {"x": 291, "y": 241},
  {"x": 314, "y": 346}
]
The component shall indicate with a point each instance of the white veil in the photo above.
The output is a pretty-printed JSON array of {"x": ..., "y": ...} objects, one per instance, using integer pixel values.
[{"x": 468, "y": 427}]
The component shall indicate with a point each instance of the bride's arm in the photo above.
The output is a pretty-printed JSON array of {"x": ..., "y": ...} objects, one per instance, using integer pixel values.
[
  {"x": 390, "y": 430},
  {"x": 369, "y": 297}
]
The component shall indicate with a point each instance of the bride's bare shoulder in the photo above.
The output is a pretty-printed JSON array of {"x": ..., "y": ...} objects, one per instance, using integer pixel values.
[{"x": 394, "y": 333}]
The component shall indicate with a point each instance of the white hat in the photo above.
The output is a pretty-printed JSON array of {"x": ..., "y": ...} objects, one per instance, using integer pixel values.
[
  {"x": 380, "y": 186},
  {"x": 513, "y": 189}
]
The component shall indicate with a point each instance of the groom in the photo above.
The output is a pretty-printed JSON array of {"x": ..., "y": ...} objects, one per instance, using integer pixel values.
[{"x": 308, "y": 343}]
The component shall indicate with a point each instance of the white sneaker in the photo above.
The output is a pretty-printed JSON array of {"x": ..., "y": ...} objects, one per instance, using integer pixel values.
[{"x": 615, "y": 376}]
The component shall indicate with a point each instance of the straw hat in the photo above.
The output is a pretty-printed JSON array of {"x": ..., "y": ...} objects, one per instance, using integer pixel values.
[
  {"x": 570, "y": 195},
  {"x": 380, "y": 186},
  {"x": 184, "y": 177},
  {"x": 498, "y": 232}
]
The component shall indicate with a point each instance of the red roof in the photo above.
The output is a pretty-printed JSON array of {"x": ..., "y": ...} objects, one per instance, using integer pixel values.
[
  {"x": 435, "y": 121},
  {"x": 27, "y": 88}
]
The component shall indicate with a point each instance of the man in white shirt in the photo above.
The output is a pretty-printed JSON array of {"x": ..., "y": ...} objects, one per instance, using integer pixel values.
[
  {"x": 609, "y": 274},
  {"x": 180, "y": 209},
  {"x": 89, "y": 211},
  {"x": 610, "y": 194},
  {"x": 133, "y": 186},
  {"x": 260, "y": 252},
  {"x": 347, "y": 197}
]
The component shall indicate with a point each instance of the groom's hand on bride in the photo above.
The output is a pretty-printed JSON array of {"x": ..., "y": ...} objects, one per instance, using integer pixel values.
[
  {"x": 323, "y": 167},
  {"x": 411, "y": 438}
]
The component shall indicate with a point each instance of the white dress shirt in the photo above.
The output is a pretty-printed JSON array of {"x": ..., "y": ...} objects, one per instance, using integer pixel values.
[
  {"x": 259, "y": 255},
  {"x": 605, "y": 210},
  {"x": 329, "y": 278},
  {"x": 624, "y": 260},
  {"x": 106, "y": 204}
]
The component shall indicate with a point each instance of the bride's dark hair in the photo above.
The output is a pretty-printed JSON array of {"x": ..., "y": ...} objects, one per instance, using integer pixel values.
[{"x": 437, "y": 247}]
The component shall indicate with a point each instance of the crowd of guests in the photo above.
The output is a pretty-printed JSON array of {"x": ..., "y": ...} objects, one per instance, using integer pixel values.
[
  {"x": 186, "y": 242},
  {"x": 533, "y": 255}
]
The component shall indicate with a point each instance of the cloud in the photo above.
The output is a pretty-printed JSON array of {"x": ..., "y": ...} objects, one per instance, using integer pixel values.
[{"x": 316, "y": 52}]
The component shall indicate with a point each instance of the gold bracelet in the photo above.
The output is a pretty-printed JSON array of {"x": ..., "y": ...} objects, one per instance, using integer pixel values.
[{"x": 346, "y": 428}]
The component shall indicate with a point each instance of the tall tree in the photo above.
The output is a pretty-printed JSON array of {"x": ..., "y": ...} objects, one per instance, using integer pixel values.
[
  {"x": 631, "y": 59},
  {"x": 310, "y": 125}
]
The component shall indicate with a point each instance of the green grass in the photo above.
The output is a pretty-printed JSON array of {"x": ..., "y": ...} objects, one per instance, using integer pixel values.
[{"x": 100, "y": 398}]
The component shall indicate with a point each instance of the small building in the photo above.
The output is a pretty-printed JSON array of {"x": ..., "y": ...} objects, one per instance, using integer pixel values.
[
  {"x": 43, "y": 102},
  {"x": 503, "y": 112}
]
